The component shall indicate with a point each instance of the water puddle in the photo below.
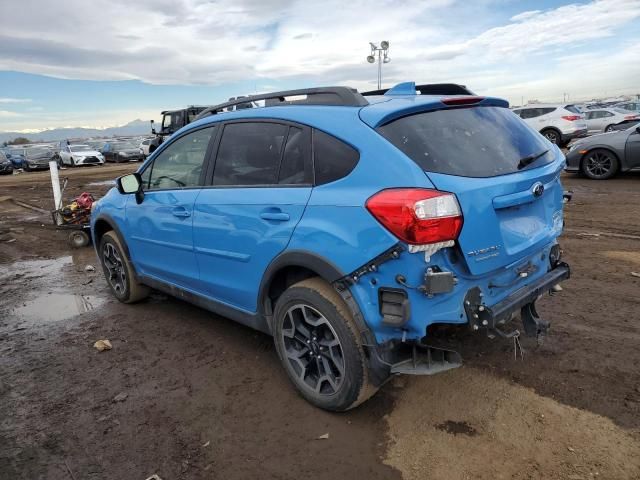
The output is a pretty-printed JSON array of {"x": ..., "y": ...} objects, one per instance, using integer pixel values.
[
  {"x": 55, "y": 307},
  {"x": 34, "y": 268}
]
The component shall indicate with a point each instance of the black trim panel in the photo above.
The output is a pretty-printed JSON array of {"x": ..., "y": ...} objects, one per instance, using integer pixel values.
[{"x": 255, "y": 321}]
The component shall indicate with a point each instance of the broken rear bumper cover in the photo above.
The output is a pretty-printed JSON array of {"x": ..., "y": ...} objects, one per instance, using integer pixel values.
[{"x": 417, "y": 358}]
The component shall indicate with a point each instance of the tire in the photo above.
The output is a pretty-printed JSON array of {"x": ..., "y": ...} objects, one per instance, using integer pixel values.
[
  {"x": 309, "y": 318},
  {"x": 118, "y": 271},
  {"x": 599, "y": 164},
  {"x": 25, "y": 167},
  {"x": 608, "y": 128},
  {"x": 552, "y": 135},
  {"x": 78, "y": 239}
]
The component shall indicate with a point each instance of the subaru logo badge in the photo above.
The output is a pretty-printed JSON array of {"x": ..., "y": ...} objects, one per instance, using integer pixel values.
[{"x": 537, "y": 189}]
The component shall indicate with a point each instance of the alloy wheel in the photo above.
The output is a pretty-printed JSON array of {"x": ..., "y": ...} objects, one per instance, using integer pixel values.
[
  {"x": 117, "y": 275},
  {"x": 598, "y": 164},
  {"x": 313, "y": 349},
  {"x": 551, "y": 136}
]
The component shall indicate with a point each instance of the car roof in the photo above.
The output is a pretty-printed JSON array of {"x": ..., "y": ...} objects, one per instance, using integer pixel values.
[
  {"x": 549, "y": 105},
  {"x": 375, "y": 111}
]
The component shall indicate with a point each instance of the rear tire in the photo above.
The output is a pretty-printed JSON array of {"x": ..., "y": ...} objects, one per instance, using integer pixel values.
[
  {"x": 118, "y": 270},
  {"x": 553, "y": 136},
  {"x": 599, "y": 164},
  {"x": 318, "y": 344}
]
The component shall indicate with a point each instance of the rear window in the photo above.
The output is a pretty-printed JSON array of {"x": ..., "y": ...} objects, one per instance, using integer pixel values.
[
  {"x": 572, "y": 109},
  {"x": 468, "y": 142}
]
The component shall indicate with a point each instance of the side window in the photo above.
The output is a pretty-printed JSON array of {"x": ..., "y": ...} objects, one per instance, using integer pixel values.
[
  {"x": 517, "y": 112},
  {"x": 544, "y": 111},
  {"x": 179, "y": 165},
  {"x": 607, "y": 114},
  {"x": 332, "y": 158},
  {"x": 528, "y": 113},
  {"x": 296, "y": 166},
  {"x": 249, "y": 154}
]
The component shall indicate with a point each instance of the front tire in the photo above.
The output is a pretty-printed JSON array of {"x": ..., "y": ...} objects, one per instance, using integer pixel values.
[
  {"x": 600, "y": 164},
  {"x": 317, "y": 342},
  {"x": 609, "y": 128},
  {"x": 118, "y": 271}
]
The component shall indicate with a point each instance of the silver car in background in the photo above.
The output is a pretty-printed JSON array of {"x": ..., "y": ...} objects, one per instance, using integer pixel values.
[
  {"x": 630, "y": 106},
  {"x": 560, "y": 123},
  {"x": 604, "y": 119}
]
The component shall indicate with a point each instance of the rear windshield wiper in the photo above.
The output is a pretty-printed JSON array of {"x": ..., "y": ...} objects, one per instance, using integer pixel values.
[{"x": 528, "y": 160}]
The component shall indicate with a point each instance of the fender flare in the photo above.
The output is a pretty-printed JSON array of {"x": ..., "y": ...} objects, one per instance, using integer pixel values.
[
  {"x": 114, "y": 226},
  {"x": 295, "y": 258}
]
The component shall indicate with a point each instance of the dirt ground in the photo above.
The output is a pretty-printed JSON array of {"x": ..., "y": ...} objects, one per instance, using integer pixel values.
[{"x": 189, "y": 395}]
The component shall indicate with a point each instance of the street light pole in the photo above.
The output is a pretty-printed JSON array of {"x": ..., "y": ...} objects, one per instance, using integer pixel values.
[{"x": 383, "y": 57}]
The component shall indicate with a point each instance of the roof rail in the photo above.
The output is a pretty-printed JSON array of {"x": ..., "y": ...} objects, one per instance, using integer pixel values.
[
  {"x": 427, "y": 89},
  {"x": 334, "y": 96}
]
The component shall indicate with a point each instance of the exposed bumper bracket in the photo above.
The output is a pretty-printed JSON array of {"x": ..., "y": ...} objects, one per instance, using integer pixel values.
[{"x": 427, "y": 360}]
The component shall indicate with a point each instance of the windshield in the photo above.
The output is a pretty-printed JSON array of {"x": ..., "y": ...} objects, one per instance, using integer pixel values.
[
  {"x": 16, "y": 151},
  {"x": 468, "y": 142},
  {"x": 80, "y": 148},
  {"x": 35, "y": 152},
  {"x": 123, "y": 146}
]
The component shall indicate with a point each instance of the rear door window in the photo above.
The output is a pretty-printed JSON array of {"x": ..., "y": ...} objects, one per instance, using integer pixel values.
[
  {"x": 468, "y": 142},
  {"x": 295, "y": 168},
  {"x": 572, "y": 109},
  {"x": 250, "y": 153}
]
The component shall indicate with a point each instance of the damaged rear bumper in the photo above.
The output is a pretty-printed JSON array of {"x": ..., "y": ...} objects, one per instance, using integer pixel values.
[{"x": 480, "y": 315}]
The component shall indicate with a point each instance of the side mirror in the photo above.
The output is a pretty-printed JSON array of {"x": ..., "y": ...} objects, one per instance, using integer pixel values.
[
  {"x": 131, "y": 183},
  {"x": 153, "y": 128}
]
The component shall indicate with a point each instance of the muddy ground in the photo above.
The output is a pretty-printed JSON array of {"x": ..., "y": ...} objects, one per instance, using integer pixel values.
[{"x": 189, "y": 395}]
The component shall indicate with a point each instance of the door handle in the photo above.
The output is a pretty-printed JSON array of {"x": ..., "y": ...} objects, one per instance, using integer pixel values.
[
  {"x": 180, "y": 212},
  {"x": 275, "y": 216}
]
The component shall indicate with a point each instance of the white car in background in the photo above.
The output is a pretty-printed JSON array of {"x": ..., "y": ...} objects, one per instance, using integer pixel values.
[
  {"x": 605, "y": 119},
  {"x": 559, "y": 123},
  {"x": 76, "y": 155}
]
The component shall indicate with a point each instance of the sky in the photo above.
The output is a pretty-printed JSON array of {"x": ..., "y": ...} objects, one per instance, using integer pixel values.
[{"x": 104, "y": 63}]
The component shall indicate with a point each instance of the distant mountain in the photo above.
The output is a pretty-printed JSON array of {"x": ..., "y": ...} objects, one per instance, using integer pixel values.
[{"x": 137, "y": 127}]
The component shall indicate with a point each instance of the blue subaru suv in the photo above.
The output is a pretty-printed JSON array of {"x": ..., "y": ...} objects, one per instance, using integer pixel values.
[{"x": 347, "y": 226}]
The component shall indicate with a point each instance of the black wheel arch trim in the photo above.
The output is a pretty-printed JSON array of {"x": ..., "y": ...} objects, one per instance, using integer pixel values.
[
  {"x": 115, "y": 228},
  {"x": 295, "y": 258}
]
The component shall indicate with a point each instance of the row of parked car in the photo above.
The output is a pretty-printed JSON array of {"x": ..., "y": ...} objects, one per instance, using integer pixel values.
[
  {"x": 561, "y": 123},
  {"x": 69, "y": 154}
]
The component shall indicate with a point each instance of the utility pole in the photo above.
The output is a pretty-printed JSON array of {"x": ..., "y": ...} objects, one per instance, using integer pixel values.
[{"x": 383, "y": 57}]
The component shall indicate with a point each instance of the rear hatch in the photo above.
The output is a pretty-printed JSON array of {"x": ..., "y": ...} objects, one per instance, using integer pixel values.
[{"x": 505, "y": 176}]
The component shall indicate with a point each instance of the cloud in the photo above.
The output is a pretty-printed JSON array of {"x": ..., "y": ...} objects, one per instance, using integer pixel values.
[
  {"x": 525, "y": 15},
  {"x": 535, "y": 53},
  {"x": 14, "y": 100},
  {"x": 8, "y": 114}
]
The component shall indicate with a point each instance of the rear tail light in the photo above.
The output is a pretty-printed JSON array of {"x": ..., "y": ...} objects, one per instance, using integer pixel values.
[
  {"x": 631, "y": 117},
  {"x": 418, "y": 216},
  {"x": 572, "y": 118}
]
